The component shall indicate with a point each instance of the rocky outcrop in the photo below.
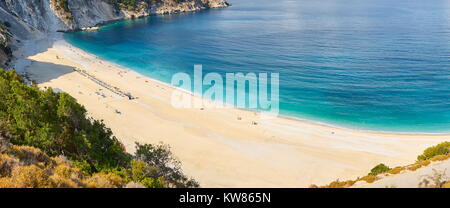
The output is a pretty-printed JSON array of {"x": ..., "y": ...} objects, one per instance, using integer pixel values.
[
  {"x": 5, "y": 45},
  {"x": 37, "y": 14},
  {"x": 89, "y": 13},
  {"x": 28, "y": 19},
  {"x": 48, "y": 16},
  {"x": 169, "y": 6}
]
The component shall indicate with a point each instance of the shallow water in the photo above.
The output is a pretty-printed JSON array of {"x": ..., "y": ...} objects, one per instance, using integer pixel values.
[{"x": 374, "y": 64}]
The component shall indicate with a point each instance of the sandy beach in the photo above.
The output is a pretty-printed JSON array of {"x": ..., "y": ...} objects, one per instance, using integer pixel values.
[{"x": 215, "y": 147}]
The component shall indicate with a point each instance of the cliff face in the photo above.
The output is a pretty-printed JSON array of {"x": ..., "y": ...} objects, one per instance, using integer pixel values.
[
  {"x": 55, "y": 15},
  {"x": 88, "y": 13},
  {"x": 26, "y": 19},
  {"x": 37, "y": 14},
  {"x": 5, "y": 50}
]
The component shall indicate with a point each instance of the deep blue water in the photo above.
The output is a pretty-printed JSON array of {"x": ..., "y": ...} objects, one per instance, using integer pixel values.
[{"x": 365, "y": 64}]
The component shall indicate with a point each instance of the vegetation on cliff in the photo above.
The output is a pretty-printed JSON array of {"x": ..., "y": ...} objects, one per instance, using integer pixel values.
[
  {"x": 128, "y": 4},
  {"x": 62, "y": 6},
  {"x": 439, "y": 152},
  {"x": 440, "y": 149},
  {"x": 57, "y": 125},
  {"x": 29, "y": 167}
]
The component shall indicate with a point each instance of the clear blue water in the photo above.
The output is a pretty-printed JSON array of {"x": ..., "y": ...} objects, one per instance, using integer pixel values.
[{"x": 365, "y": 64}]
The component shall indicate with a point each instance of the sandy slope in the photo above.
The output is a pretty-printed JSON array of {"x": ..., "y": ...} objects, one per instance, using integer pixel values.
[
  {"x": 214, "y": 146},
  {"x": 412, "y": 179}
]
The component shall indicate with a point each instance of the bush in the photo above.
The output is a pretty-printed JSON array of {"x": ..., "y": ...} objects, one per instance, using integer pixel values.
[
  {"x": 381, "y": 168},
  {"x": 28, "y": 167},
  {"x": 30, "y": 177},
  {"x": 63, "y": 4},
  {"x": 440, "y": 149},
  {"x": 128, "y": 4},
  {"x": 104, "y": 180},
  {"x": 56, "y": 124},
  {"x": 167, "y": 167}
]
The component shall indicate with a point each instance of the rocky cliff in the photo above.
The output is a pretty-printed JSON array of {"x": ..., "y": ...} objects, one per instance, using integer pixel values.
[
  {"x": 5, "y": 48},
  {"x": 30, "y": 18},
  {"x": 57, "y": 15}
]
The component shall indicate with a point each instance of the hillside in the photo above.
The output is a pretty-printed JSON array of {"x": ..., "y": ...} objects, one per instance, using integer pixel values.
[
  {"x": 39, "y": 126},
  {"x": 435, "y": 175},
  {"x": 46, "y": 138},
  {"x": 29, "y": 167},
  {"x": 429, "y": 171}
]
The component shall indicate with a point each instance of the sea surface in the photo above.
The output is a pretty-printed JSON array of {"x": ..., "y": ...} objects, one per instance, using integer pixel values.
[{"x": 378, "y": 65}]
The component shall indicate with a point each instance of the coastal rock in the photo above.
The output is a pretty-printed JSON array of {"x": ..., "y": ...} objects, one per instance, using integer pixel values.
[
  {"x": 5, "y": 46},
  {"x": 90, "y": 13},
  {"x": 18, "y": 27},
  {"x": 29, "y": 19},
  {"x": 170, "y": 6},
  {"x": 37, "y": 14},
  {"x": 48, "y": 16}
]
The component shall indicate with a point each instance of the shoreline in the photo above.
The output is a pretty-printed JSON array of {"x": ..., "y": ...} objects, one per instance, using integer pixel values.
[
  {"x": 214, "y": 147},
  {"x": 281, "y": 116}
]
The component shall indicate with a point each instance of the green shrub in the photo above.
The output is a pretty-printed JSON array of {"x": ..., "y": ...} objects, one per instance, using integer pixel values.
[
  {"x": 160, "y": 157},
  {"x": 56, "y": 124},
  {"x": 63, "y": 4},
  {"x": 128, "y": 4},
  {"x": 440, "y": 149},
  {"x": 154, "y": 182},
  {"x": 381, "y": 168}
]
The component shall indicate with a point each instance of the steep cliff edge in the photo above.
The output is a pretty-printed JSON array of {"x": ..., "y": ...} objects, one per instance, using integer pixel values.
[
  {"x": 35, "y": 14},
  {"x": 62, "y": 15},
  {"x": 5, "y": 42}
]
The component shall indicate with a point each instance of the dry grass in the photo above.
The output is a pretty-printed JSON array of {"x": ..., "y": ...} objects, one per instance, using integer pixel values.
[
  {"x": 438, "y": 179},
  {"x": 424, "y": 163},
  {"x": 338, "y": 184},
  {"x": 446, "y": 185},
  {"x": 414, "y": 167},
  {"x": 104, "y": 180},
  {"x": 440, "y": 158},
  {"x": 369, "y": 178},
  {"x": 29, "y": 167},
  {"x": 396, "y": 170},
  {"x": 30, "y": 177}
]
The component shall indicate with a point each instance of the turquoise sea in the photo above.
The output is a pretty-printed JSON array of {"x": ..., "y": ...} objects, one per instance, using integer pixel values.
[{"x": 365, "y": 64}]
